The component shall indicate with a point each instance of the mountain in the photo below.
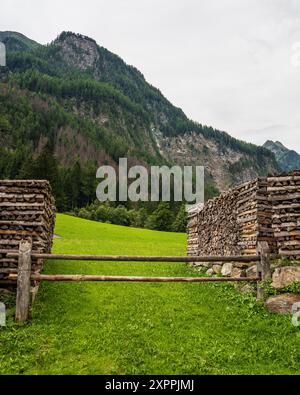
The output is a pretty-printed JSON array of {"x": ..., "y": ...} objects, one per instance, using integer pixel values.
[
  {"x": 15, "y": 42},
  {"x": 72, "y": 105},
  {"x": 286, "y": 158}
]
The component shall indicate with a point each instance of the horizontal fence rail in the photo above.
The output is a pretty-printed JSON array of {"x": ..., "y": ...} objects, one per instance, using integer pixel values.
[
  {"x": 82, "y": 277},
  {"x": 134, "y": 258}
]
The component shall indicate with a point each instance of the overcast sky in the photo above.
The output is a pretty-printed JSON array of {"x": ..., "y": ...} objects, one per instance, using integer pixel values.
[{"x": 231, "y": 64}]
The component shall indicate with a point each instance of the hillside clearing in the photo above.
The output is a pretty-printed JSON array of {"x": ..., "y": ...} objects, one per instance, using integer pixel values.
[{"x": 147, "y": 328}]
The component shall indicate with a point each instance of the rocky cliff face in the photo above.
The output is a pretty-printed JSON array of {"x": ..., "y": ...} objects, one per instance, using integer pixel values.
[
  {"x": 79, "y": 52},
  {"x": 226, "y": 166}
]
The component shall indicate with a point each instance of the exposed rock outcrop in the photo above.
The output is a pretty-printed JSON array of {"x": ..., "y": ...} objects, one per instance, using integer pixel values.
[
  {"x": 282, "y": 304},
  {"x": 286, "y": 275}
]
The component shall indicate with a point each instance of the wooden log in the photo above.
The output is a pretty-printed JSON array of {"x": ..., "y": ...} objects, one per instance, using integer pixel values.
[
  {"x": 248, "y": 219},
  {"x": 110, "y": 258},
  {"x": 250, "y": 251},
  {"x": 284, "y": 188},
  {"x": 287, "y": 214},
  {"x": 24, "y": 223},
  {"x": 81, "y": 277},
  {"x": 253, "y": 188},
  {"x": 283, "y": 179},
  {"x": 263, "y": 267},
  {"x": 292, "y": 243},
  {"x": 289, "y": 253},
  {"x": 287, "y": 234},
  {"x": 23, "y": 284},
  {"x": 18, "y": 205},
  {"x": 289, "y": 196},
  {"x": 18, "y": 232},
  {"x": 287, "y": 206},
  {"x": 248, "y": 212}
]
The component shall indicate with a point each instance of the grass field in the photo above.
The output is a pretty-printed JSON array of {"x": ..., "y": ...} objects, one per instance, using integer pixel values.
[{"x": 141, "y": 328}]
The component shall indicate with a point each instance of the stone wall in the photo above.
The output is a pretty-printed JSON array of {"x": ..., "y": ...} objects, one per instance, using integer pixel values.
[
  {"x": 266, "y": 209},
  {"x": 26, "y": 210}
]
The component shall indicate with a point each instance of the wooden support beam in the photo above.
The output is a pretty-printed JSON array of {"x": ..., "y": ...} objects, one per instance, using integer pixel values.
[
  {"x": 263, "y": 267},
  {"x": 23, "y": 280}
]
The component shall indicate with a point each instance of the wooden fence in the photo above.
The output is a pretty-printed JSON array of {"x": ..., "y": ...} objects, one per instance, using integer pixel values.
[{"x": 23, "y": 275}]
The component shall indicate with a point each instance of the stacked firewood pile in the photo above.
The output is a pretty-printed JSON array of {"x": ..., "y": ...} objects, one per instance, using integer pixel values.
[
  {"x": 26, "y": 210},
  {"x": 255, "y": 216},
  {"x": 215, "y": 230},
  {"x": 284, "y": 196},
  {"x": 266, "y": 209},
  {"x": 192, "y": 230},
  {"x": 247, "y": 206}
]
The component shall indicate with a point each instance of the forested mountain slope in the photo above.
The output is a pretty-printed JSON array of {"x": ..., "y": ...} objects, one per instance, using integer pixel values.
[
  {"x": 16, "y": 42},
  {"x": 70, "y": 106}
]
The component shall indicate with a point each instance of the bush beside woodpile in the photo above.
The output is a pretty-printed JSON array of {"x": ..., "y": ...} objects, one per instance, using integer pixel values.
[{"x": 26, "y": 210}]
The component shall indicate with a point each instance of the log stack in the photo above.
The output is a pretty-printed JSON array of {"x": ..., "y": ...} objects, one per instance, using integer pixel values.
[
  {"x": 266, "y": 209},
  {"x": 255, "y": 216},
  {"x": 215, "y": 227},
  {"x": 284, "y": 196},
  {"x": 26, "y": 210},
  {"x": 247, "y": 207}
]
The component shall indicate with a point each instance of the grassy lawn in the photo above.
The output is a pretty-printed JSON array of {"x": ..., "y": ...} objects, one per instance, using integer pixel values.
[{"x": 141, "y": 328}]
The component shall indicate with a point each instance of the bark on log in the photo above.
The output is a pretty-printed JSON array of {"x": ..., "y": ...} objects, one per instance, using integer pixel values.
[{"x": 23, "y": 285}]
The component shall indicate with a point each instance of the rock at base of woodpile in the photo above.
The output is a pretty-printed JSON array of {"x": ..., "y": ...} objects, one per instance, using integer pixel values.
[
  {"x": 237, "y": 272},
  {"x": 251, "y": 271},
  {"x": 217, "y": 269},
  {"x": 283, "y": 276},
  {"x": 282, "y": 304},
  {"x": 227, "y": 269}
]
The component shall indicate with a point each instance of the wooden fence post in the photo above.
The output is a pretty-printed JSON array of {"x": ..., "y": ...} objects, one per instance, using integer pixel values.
[
  {"x": 263, "y": 267},
  {"x": 23, "y": 284}
]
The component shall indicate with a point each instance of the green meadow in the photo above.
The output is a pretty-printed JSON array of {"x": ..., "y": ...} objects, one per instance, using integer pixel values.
[{"x": 142, "y": 328}]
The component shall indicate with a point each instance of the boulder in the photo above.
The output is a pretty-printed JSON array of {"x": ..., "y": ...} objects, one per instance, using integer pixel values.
[
  {"x": 241, "y": 265},
  {"x": 217, "y": 269},
  {"x": 210, "y": 272},
  {"x": 283, "y": 276},
  {"x": 282, "y": 304},
  {"x": 237, "y": 272},
  {"x": 251, "y": 271},
  {"x": 227, "y": 269}
]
